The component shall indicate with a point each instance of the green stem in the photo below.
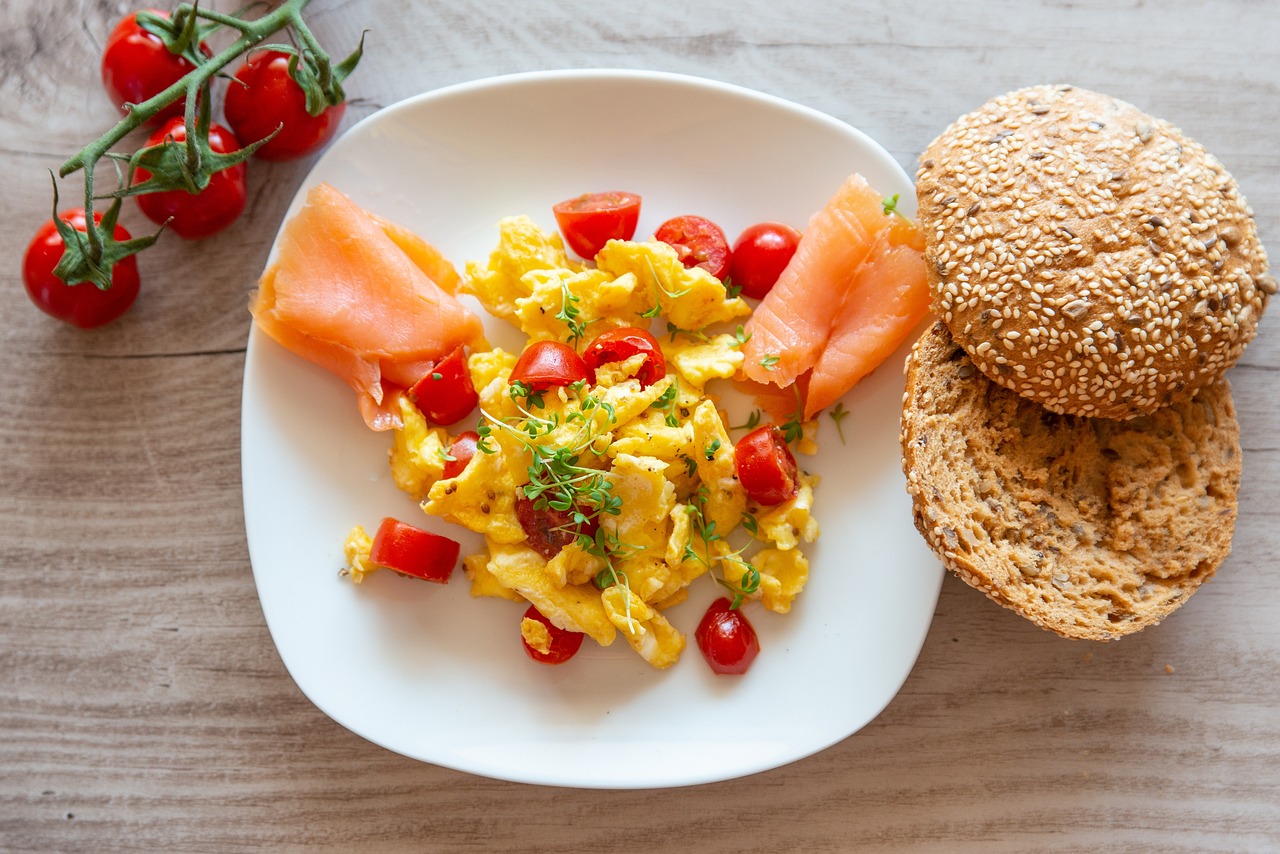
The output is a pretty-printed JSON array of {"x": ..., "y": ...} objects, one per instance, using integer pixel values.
[
  {"x": 322, "y": 60},
  {"x": 95, "y": 239},
  {"x": 288, "y": 14}
]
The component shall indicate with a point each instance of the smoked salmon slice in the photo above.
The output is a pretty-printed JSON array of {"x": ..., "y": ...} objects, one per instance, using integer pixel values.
[
  {"x": 888, "y": 297},
  {"x": 853, "y": 291},
  {"x": 362, "y": 298}
]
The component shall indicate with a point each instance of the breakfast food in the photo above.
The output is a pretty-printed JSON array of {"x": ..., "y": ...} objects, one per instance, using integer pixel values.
[
  {"x": 1092, "y": 528},
  {"x": 363, "y": 298},
  {"x": 853, "y": 292},
  {"x": 1088, "y": 256},
  {"x": 602, "y": 475},
  {"x": 1068, "y": 435}
]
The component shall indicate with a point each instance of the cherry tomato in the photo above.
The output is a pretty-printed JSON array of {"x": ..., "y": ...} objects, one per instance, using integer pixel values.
[
  {"x": 462, "y": 450},
  {"x": 726, "y": 639},
  {"x": 760, "y": 254},
  {"x": 545, "y": 364},
  {"x": 83, "y": 305},
  {"x": 564, "y": 644},
  {"x": 263, "y": 96},
  {"x": 549, "y": 530},
  {"x": 196, "y": 215},
  {"x": 765, "y": 467},
  {"x": 591, "y": 220},
  {"x": 413, "y": 551},
  {"x": 699, "y": 242},
  {"x": 618, "y": 345},
  {"x": 136, "y": 66},
  {"x": 445, "y": 395}
]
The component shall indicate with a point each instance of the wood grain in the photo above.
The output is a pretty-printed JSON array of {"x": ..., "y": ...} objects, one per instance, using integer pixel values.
[{"x": 143, "y": 706}]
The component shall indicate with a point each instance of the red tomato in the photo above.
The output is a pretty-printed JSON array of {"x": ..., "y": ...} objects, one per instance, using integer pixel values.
[
  {"x": 413, "y": 551},
  {"x": 564, "y": 644},
  {"x": 591, "y": 220},
  {"x": 196, "y": 215},
  {"x": 136, "y": 66},
  {"x": 83, "y": 305},
  {"x": 462, "y": 450},
  {"x": 765, "y": 467},
  {"x": 699, "y": 242},
  {"x": 549, "y": 530},
  {"x": 545, "y": 364},
  {"x": 760, "y": 254},
  {"x": 618, "y": 345},
  {"x": 726, "y": 639},
  {"x": 445, "y": 395},
  {"x": 263, "y": 96}
]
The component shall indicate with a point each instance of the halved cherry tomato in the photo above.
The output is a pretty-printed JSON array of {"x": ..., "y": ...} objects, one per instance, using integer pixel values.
[
  {"x": 83, "y": 305},
  {"x": 549, "y": 530},
  {"x": 760, "y": 254},
  {"x": 413, "y": 551},
  {"x": 445, "y": 395},
  {"x": 726, "y": 638},
  {"x": 591, "y": 220},
  {"x": 196, "y": 215},
  {"x": 462, "y": 450},
  {"x": 699, "y": 242},
  {"x": 564, "y": 644},
  {"x": 765, "y": 466},
  {"x": 618, "y": 345},
  {"x": 136, "y": 66},
  {"x": 545, "y": 364},
  {"x": 263, "y": 96}
]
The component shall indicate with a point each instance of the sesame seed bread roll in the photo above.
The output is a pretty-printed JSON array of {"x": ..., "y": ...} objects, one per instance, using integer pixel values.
[
  {"x": 1092, "y": 528},
  {"x": 1086, "y": 255}
]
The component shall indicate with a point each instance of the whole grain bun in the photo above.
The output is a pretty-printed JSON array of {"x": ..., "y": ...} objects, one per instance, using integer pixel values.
[
  {"x": 1092, "y": 528},
  {"x": 1087, "y": 255}
]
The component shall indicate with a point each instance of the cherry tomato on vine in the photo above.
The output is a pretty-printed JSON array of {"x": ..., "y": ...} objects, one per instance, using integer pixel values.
[
  {"x": 760, "y": 254},
  {"x": 549, "y": 530},
  {"x": 765, "y": 466},
  {"x": 413, "y": 551},
  {"x": 564, "y": 644},
  {"x": 726, "y": 638},
  {"x": 698, "y": 242},
  {"x": 462, "y": 450},
  {"x": 445, "y": 395},
  {"x": 545, "y": 364},
  {"x": 136, "y": 66},
  {"x": 263, "y": 96},
  {"x": 197, "y": 215},
  {"x": 618, "y": 345},
  {"x": 591, "y": 220},
  {"x": 83, "y": 305}
]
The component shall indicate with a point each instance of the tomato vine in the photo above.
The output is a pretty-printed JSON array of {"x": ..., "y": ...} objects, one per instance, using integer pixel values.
[{"x": 186, "y": 165}]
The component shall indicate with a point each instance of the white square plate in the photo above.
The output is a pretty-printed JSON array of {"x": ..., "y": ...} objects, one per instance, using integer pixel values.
[{"x": 429, "y": 672}]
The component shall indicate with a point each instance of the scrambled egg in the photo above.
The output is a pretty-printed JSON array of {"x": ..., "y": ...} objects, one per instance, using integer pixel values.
[{"x": 651, "y": 467}]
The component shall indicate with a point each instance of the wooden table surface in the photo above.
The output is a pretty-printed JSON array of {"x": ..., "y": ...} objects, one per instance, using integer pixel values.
[{"x": 144, "y": 707}]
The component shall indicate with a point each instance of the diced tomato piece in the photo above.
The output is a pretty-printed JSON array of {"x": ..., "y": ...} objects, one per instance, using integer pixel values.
[
  {"x": 618, "y": 345},
  {"x": 727, "y": 639},
  {"x": 765, "y": 466},
  {"x": 591, "y": 220},
  {"x": 445, "y": 395},
  {"x": 462, "y": 450},
  {"x": 698, "y": 242},
  {"x": 564, "y": 644},
  {"x": 413, "y": 551},
  {"x": 545, "y": 364}
]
